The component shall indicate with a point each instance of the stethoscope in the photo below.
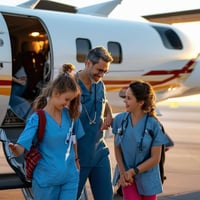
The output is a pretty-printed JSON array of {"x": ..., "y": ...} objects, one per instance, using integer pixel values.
[
  {"x": 91, "y": 121},
  {"x": 124, "y": 125},
  {"x": 83, "y": 106}
]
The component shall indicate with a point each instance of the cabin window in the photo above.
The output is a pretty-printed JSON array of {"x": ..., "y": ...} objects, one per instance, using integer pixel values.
[
  {"x": 116, "y": 51},
  {"x": 83, "y": 46},
  {"x": 169, "y": 37}
]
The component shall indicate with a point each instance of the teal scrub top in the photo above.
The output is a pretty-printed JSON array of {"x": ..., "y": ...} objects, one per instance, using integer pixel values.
[
  {"x": 92, "y": 147},
  {"x": 54, "y": 168},
  {"x": 135, "y": 150}
]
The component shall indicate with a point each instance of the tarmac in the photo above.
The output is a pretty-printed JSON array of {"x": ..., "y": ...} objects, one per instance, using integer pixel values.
[
  {"x": 185, "y": 196},
  {"x": 182, "y": 163}
]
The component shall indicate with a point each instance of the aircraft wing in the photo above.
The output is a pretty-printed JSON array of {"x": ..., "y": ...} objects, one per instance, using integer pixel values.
[{"x": 175, "y": 17}]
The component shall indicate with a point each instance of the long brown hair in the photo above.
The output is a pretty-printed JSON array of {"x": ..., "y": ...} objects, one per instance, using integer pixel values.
[
  {"x": 143, "y": 91},
  {"x": 63, "y": 83}
]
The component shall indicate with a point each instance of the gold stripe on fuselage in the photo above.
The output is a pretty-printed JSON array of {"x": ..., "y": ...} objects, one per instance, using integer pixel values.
[{"x": 5, "y": 84}]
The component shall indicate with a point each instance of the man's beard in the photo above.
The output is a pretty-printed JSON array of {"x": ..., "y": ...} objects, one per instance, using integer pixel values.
[{"x": 93, "y": 80}]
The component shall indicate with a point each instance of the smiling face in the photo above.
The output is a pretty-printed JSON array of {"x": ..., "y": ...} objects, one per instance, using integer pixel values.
[
  {"x": 131, "y": 103},
  {"x": 97, "y": 71},
  {"x": 64, "y": 99}
]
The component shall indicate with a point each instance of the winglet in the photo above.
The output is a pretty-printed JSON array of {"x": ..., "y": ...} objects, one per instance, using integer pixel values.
[
  {"x": 29, "y": 4},
  {"x": 101, "y": 9}
]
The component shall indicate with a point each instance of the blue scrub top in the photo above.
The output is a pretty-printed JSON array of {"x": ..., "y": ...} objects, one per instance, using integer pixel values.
[
  {"x": 92, "y": 147},
  {"x": 135, "y": 151},
  {"x": 53, "y": 168}
]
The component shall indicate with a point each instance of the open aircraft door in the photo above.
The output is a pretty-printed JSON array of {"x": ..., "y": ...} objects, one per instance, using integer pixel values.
[{"x": 5, "y": 68}]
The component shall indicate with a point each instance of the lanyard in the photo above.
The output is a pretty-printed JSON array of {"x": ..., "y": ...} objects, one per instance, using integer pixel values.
[{"x": 71, "y": 138}]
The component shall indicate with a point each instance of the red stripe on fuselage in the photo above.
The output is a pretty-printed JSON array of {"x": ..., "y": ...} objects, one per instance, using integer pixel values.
[
  {"x": 5, "y": 82},
  {"x": 177, "y": 73},
  {"x": 187, "y": 69}
]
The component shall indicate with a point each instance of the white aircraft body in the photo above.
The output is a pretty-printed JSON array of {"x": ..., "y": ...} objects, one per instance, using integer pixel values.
[{"x": 158, "y": 53}]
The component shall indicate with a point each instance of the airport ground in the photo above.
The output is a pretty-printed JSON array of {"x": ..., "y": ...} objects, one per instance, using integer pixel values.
[{"x": 182, "y": 123}]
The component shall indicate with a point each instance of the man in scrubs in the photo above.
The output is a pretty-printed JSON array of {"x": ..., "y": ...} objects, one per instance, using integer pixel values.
[{"x": 96, "y": 116}]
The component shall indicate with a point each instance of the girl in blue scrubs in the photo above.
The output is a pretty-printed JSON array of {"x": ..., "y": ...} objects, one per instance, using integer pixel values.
[
  {"x": 138, "y": 141},
  {"x": 56, "y": 175},
  {"x": 92, "y": 149}
]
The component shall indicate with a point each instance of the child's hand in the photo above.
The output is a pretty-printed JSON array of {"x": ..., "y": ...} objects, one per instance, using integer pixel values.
[
  {"x": 16, "y": 149},
  {"x": 12, "y": 148}
]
